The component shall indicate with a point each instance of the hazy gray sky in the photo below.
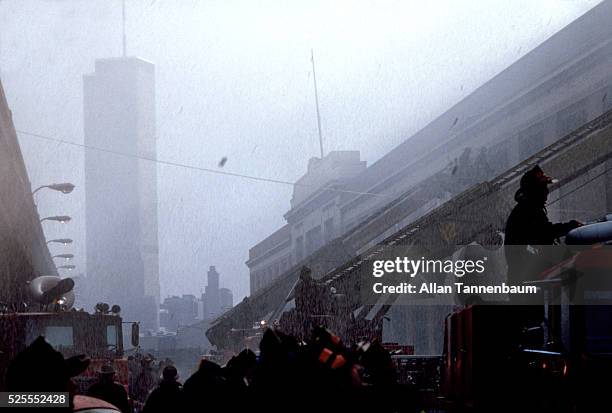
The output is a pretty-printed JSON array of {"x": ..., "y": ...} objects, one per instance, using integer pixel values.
[{"x": 233, "y": 78}]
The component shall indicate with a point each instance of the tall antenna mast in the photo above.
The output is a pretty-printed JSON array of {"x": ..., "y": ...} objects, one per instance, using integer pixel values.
[
  {"x": 123, "y": 26},
  {"x": 314, "y": 78}
]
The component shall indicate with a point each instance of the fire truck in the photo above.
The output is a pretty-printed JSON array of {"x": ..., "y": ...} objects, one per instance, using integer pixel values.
[
  {"x": 564, "y": 362},
  {"x": 98, "y": 335}
]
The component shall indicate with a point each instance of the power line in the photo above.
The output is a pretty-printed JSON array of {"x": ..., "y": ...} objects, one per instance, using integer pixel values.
[
  {"x": 314, "y": 79},
  {"x": 192, "y": 167},
  {"x": 244, "y": 176},
  {"x": 580, "y": 186}
]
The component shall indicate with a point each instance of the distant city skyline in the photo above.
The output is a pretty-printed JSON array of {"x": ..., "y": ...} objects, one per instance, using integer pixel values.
[{"x": 187, "y": 309}]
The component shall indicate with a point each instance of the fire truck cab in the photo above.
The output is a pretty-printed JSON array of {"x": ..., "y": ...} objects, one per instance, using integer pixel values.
[{"x": 99, "y": 336}]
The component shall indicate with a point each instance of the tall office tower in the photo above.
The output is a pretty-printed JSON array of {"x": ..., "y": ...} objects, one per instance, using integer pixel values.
[
  {"x": 213, "y": 307},
  {"x": 120, "y": 188}
]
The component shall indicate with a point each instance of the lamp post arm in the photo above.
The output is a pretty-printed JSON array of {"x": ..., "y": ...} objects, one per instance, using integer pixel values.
[{"x": 39, "y": 188}]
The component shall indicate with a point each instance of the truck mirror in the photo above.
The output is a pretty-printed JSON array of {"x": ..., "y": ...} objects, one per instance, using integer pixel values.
[{"x": 135, "y": 334}]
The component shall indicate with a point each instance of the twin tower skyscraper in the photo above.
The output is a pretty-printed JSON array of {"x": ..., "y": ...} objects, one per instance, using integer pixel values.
[{"x": 121, "y": 188}]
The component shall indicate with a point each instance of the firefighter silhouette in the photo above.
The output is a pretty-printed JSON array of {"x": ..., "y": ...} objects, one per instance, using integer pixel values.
[{"x": 528, "y": 226}]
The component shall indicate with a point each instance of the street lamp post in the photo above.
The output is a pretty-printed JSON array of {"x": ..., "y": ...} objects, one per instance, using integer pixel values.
[
  {"x": 65, "y": 256},
  {"x": 64, "y": 188},
  {"x": 60, "y": 218},
  {"x": 64, "y": 241}
]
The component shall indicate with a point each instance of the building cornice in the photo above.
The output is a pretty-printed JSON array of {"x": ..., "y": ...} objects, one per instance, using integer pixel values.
[
  {"x": 319, "y": 198},
  {"x": 251, "y": 262}
]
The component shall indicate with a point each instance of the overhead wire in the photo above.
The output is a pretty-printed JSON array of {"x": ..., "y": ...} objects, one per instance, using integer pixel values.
[
  {"x": 192, "y": 167},
  {"x": 245, "y": 176},
  {"x": 580, "y": 186}
]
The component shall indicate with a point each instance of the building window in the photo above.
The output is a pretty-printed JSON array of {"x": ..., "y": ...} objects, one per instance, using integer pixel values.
[
  {"x": 498, "y": 156},
  {"x": 298, "y": 228},
  {"x": 570, "y": 119},
  {"x": 329, "y": 230},
  {"x": 299, "y": 248},
  {"x": 313, "y": 240},
  {"x": 531, "y": 140},
  {"x": 258, "y": 283},
  {"x": 269, "y": 275},
  {"x": 59, "y": 336}
]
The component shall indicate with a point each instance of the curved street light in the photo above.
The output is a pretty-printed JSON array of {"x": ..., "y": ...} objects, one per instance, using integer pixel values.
[
  {"x": 65, "y": 256},
  {"x": 60, "y": 218},
  {"x": 64, "y": 241},
  {"x": 64, "y": 188}
]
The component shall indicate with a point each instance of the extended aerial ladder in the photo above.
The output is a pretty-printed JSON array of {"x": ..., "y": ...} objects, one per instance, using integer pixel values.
[{"x": 478, "y": 213}]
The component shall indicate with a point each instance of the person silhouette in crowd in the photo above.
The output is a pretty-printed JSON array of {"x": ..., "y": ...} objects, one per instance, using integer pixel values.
[
  {"x": 239, "y": 372},
  {"x": 39, "y": 367},
  {"x": 107, "y": 389},
  {"x": 145, "y": 378},
  {"x": 278, "y": 367},
  {"x": 168, "y": 395},
  {"x": 207, "y": 385},
  {"x": 380, "y": 383}
]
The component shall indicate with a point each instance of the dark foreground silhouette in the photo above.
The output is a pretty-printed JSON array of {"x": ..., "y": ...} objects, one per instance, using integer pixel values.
[{"x": 321, "y": 375}]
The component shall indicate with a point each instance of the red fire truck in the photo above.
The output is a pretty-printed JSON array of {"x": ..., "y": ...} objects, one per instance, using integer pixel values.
[{"x": 99, "y": 335}]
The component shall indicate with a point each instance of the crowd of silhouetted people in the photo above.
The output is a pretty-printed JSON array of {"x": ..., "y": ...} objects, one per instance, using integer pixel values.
[{"x": 287, "y": 375}]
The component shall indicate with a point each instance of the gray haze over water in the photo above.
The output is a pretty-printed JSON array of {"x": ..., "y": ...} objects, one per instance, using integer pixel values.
[{"x": 233, "y": 79}]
